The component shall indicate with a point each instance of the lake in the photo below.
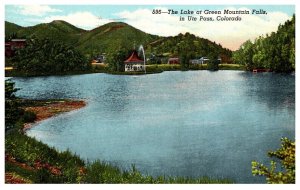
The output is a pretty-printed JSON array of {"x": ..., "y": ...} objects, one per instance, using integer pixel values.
[{"x": 194, "y": 123}]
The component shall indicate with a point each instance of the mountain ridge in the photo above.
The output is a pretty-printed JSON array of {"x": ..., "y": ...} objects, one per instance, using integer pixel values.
[{"x": 110, "y": 37}]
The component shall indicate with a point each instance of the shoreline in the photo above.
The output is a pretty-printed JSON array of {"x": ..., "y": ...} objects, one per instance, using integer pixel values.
[
  {"x": 150, "y": 69},
  {"x": 46, "y": 109},
  {"x": 30, "y": 161}
]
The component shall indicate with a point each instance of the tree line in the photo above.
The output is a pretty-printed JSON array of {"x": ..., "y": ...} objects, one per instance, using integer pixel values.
[
  {"x": 275, "y": 51},
  {"x": 188, "y": 46},
  {"x": 44, "y": 56}
]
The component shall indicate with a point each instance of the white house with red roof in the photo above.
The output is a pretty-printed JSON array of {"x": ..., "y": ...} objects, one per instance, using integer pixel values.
[{"x": 134, "y": 63}]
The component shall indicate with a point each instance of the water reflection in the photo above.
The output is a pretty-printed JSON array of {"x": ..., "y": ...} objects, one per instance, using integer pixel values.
[
  {"x": 273, "y": 89},
  {"x": 116, "y": 94}
]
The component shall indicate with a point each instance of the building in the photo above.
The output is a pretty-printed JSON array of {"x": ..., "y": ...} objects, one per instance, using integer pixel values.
[
  {"x": 13, "y": 45},
  {"x": 8, "y": 50},
  {"x": 174, "y": 60},
  {"x": 100, "y": 59},
  {"x": 202, "y": 60},
  {"x": 134, "y": 63}
]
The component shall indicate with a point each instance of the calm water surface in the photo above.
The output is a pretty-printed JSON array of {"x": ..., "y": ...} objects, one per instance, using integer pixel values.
[{"x": 195, "y": 123}]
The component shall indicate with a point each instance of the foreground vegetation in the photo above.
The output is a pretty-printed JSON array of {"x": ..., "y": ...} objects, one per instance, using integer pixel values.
[
  {"x": 284, "y": 174},
  {"x": 41, "y": 164},
  {"x": 30, "y": 161}
]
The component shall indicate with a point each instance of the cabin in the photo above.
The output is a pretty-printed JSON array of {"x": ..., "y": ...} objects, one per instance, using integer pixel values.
[
  {"x": 174, "y": 60},
  {"x": 202, "y": 60},
  {"x": 12, "y": 45},
  {"x": 261, "y": 70},
  {"x": 8, "y": 50},
  {"x": 134, "y": 63},
  {"x": 100, "y": 59}
]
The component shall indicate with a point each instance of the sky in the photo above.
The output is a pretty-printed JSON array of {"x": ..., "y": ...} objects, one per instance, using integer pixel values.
[{"x": 229, "y": 34}]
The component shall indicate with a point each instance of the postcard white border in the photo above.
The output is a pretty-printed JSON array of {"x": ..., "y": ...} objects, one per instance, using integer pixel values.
[{"x": 144, "y": 2}]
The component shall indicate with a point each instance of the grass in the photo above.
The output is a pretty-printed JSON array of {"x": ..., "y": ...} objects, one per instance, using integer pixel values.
[
  {"x": 28, "y": 151},
  {"x": 232, "y": 67},
  {"x": 162, "y": 67},
  {"x": 34, "y": 154},
  {"x": 16, "y": 73},
  {"x": 170, "y": 67}
]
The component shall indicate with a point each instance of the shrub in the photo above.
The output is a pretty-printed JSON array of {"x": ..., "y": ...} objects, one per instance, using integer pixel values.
[
  {"x": 29, "y": 116},
  {"x": 286, "y": 155},
  {"x": 213, "y": 64},
  {"x": 12, "y": 107}
]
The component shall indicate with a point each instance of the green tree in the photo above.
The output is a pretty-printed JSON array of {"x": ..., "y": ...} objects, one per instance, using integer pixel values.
[
  {"x": 286, "y": 156},
  {"x": 237, "y": 57},
  {"x": 183, "y": 61},
  {"x": 247, "y": 55},
  {"x": 275, "y": 51},
  {"x": 12, "y": 109},
  {"x": 10, "y": 89},
  {"x": 44, "y": 56},
  {"x": 213, "y": 63},
  {"x": 116, "y": 60}
]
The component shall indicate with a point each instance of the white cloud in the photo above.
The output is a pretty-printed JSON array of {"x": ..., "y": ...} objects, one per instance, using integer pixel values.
[
  {"x": 36, "y": 10},
  {"x": 229, "y": 34},
  {"x": 84, "y": 20}
]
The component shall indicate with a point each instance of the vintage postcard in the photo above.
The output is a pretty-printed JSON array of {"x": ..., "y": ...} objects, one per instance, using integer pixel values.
[{"x": 150, "y": 94}]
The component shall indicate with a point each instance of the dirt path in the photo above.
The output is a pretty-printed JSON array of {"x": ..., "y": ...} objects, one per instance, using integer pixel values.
[{"x": 50, "y": 109}]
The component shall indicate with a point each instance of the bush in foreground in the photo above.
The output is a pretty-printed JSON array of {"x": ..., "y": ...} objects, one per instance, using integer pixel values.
[{"x": 286, "y": 173}]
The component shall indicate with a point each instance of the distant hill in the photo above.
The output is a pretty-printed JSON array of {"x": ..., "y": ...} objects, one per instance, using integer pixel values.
[
  {"x": 188, "y": 43},
  {"x": 57, "y": 30},
  {"x": 11, "y": 28},
  {"x": 112, "y": 36}
]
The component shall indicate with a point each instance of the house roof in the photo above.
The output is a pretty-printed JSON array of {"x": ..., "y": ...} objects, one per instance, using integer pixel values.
[
  {"x": 173, "y": 58},
  {"x": 134, "y": 58}
]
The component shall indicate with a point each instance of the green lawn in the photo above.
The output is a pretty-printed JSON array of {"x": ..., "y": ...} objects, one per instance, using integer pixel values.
[{"x": 231, "y": 67}]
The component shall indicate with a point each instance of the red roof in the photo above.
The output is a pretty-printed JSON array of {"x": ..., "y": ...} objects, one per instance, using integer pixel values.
[{"x": 134, "y": 58}]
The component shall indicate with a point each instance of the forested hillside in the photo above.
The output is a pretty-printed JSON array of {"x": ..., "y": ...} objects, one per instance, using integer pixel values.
[
  {"x": 275, "y": 51},
  {"x": 111, "y": 37},
  {"x": 190, "y": 45},
  {"x": 43, "y": 57},
  {"x": 57, "y": 30}
]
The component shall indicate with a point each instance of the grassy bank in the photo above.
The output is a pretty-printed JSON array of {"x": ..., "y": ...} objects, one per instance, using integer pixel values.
[
  {"x": 232, "y": 67},
  {"x": 35, "y": 162},
  {"x": 16, "y": 73},
  {"x": 30, "y": 161}
]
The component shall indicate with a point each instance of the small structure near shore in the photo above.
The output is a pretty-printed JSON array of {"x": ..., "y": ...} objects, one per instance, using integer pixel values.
[
  {"x": 261, "y": 70},
  {"x": 202, "y": 60},
  {"x": 134, "y": 63},
  {"x": 12, "y": 45},
  {"x": 174, "y": 60}
]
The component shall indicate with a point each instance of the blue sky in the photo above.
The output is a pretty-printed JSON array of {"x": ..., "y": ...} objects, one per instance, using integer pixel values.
[{"x": 141, "y": 17}]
